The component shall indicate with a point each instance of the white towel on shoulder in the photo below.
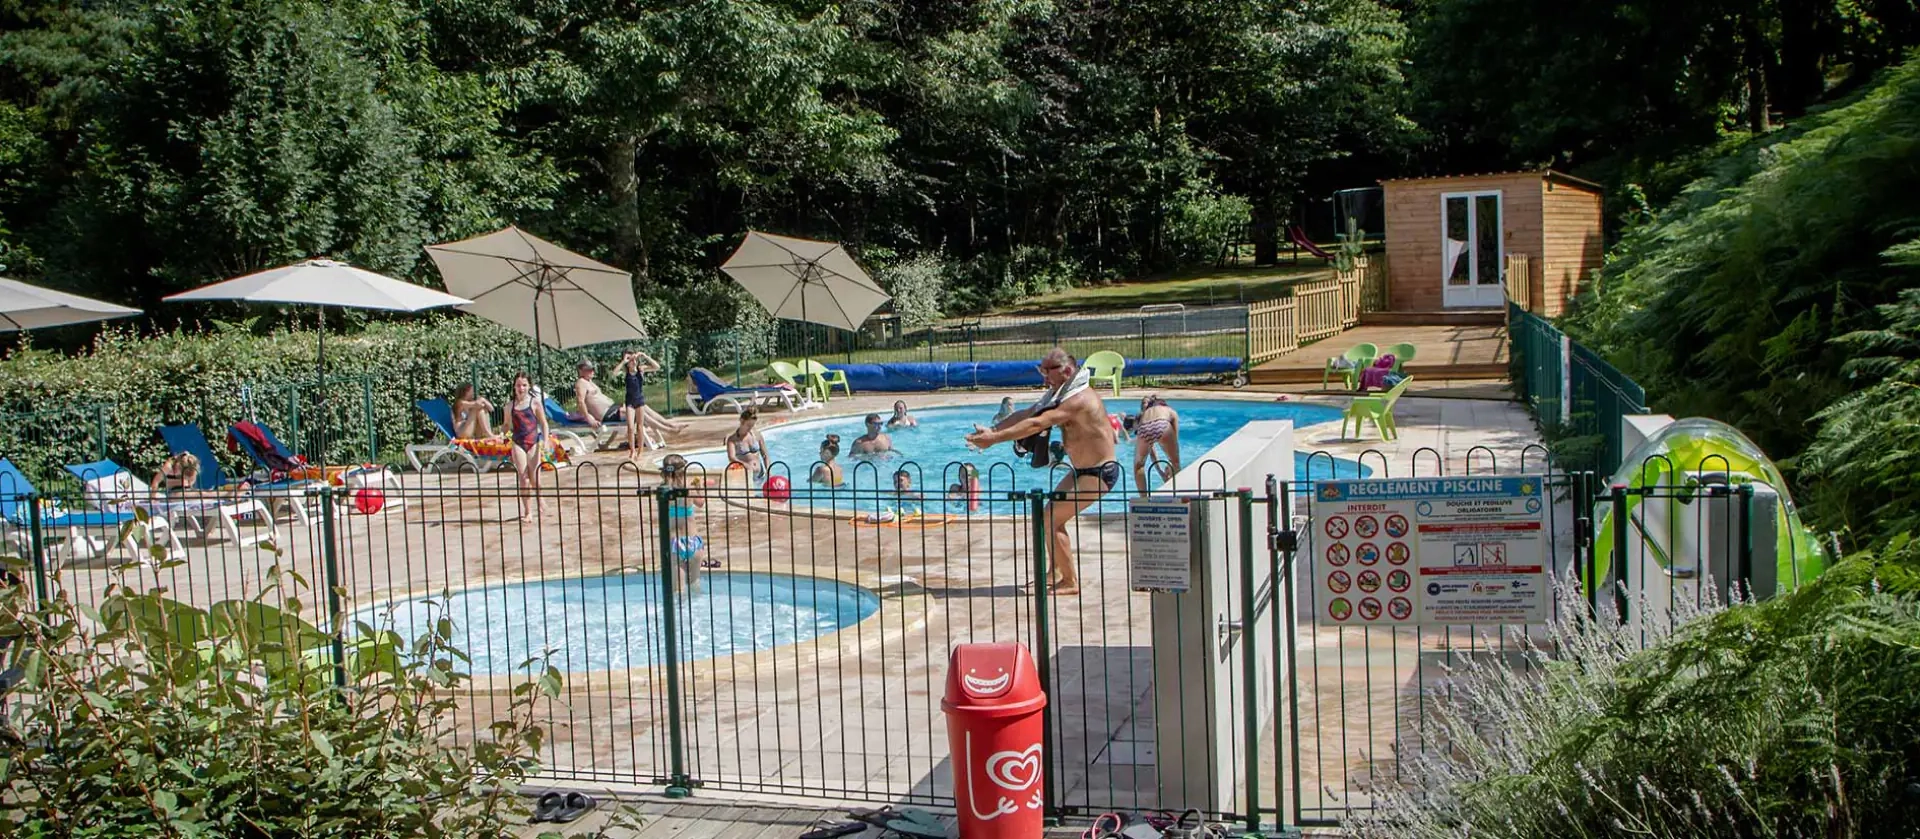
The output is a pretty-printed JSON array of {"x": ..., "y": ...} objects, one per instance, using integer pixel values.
[{"x": 1082, "y": 379}]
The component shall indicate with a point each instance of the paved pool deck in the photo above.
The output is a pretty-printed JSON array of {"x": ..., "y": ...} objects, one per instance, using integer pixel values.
[{"x": 855, "y": 715}]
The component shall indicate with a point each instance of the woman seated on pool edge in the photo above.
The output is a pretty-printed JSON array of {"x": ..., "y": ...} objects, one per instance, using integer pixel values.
[
  {"x": 746, "y": 447},
  {"x": 827, "y": 472}
]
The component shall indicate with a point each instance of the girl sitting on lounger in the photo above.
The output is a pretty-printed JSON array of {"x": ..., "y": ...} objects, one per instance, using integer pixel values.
[
  {"x": 472, "y": 415},
  {"x": 181, "y": 474}
]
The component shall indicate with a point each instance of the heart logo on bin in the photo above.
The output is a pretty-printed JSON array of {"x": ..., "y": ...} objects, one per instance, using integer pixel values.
[{"x": 1015, "y": 770}]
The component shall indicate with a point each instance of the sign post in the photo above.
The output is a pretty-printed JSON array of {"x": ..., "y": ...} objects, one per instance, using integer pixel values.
[
  {"x": 1161, "y": 531},
  {"x": 1432, "y": 551}
]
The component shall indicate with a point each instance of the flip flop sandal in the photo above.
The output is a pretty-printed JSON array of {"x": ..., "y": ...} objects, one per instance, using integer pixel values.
[
  {"x": 908, "y": 822},
  {"x": 709, "y": 563},
  {"x": 834, "y": 831},
  {"x": 549, "y": 806},
  {"x": 1190, "y": 825},
  {"x": 1105, "y": 826},
  {"x": 577, "y": 805}
]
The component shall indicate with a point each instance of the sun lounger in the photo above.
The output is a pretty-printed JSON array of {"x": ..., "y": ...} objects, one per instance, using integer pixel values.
[
  {"x": 478, "y": 455},
  {"x": 370, "y": 475},
  {"x": 110, "y": 488},
  {"x": 568, "y": 430},
  {"x": 710, "y": 390},
  {"x": 94, "y": 532},
  {"x": 191, "y": 440}
]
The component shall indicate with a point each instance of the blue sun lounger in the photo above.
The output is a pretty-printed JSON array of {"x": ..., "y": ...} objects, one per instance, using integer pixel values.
[{"x": 78, "y": 530}]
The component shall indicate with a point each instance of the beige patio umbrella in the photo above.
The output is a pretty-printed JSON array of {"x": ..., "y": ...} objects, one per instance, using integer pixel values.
[
  {"x": 322, "y": 283},
  {"x": 805, "y": 280},
  {"x": 24, "y": 306},
  {"x": 534, "y": 287}
]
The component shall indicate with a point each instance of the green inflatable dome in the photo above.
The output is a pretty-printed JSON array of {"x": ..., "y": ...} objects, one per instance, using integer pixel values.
[{"x": 1672, "y": 462}]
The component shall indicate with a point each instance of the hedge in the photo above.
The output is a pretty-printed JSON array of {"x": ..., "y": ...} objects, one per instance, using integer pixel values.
[{"x": 57, "y": 409}]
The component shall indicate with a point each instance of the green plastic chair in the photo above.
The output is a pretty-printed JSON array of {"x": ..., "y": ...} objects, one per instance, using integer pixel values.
[
  {"x": 797, "y": 380},
  {"x": 1106, "y": 366},
  {"x": 826, "y": 380},
  {"x": 1376, "y": 408},
  {"x": 1402, "y": 353},
  {"x": 1361, "y": 355}
]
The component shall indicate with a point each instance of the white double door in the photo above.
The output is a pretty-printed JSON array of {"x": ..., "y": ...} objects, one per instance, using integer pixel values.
[{"x": 1472, "y": 253}]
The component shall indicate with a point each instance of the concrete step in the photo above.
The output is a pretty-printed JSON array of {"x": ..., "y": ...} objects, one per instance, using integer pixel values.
[
  {"x": 1435, "y": 372},
  {"x": 1444, "y": 317}
]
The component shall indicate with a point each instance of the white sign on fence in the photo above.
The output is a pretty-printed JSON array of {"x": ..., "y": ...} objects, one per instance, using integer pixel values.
[
  {"x": 1161, "y": 531},
  {"x": 1431, "y": 551}
]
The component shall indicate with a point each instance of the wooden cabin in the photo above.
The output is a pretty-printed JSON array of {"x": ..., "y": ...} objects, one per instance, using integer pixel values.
[{"x": 1453, "y": 241}]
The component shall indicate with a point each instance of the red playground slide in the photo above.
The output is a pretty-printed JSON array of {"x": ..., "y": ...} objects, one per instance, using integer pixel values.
[{"x": 1299, "y": 236}]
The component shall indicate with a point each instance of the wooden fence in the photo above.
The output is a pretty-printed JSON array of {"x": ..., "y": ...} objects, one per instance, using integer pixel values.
[
  {"x": 1520, "y": 281},
  {"x": 1311, "y": 311}
]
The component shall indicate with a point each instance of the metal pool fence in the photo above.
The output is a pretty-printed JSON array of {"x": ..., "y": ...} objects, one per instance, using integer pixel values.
[
  {"x": 810, "y": 659},
  {"x": 1573, "y": 392}
]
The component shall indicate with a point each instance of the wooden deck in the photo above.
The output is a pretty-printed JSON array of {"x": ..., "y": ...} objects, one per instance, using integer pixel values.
[{"x": 1441, "y": 352}]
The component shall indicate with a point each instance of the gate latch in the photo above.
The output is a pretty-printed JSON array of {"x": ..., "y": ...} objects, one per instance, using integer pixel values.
[{"x": 1286, "y": 541}]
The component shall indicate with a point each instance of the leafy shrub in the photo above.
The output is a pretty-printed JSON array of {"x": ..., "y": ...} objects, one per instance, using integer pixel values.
[
  {"x": 918, "y": 285},
  {"x": 229, "y": 373},
  {"x": 1792, "y": 717},
  {"x": 145, "y": 716},
  {"x": 1859, "y": 469},
  {"x": 1724, "y": 305},
  {"x": 1203, "y": 221}
]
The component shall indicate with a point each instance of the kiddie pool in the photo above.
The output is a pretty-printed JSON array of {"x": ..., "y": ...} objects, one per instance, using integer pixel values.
[
  {"x": 931, "y": 454},
  {"x": 613, "y": 622}
]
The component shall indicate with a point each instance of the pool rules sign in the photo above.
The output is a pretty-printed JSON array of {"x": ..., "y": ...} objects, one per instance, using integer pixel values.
[{"x": 1431, "y": 551}]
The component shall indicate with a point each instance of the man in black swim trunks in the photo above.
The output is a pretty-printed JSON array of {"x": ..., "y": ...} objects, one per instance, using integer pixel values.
[{"x": 1081, "y": 416}]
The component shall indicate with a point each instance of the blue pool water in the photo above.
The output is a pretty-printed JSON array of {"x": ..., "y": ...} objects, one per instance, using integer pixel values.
[
  {"x": 613, "y": 622},
  {"x": 932, "y": 451}
]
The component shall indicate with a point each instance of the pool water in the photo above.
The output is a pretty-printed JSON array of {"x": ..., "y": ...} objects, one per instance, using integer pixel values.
[
  {"x": 613, "y": 622},
  {"x": 932, "y": 451}
]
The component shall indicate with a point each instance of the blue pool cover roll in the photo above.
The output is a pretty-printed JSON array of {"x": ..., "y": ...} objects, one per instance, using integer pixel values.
[{"x": 910, "y": 376}]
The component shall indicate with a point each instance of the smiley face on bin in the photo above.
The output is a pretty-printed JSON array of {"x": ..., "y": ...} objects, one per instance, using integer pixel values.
[{"x": 988, "y": 684}]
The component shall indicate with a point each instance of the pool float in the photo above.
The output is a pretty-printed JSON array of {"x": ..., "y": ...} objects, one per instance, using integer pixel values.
[
  {"x": 887, "y": 518},
  {"x": 1673, "y": 462}
]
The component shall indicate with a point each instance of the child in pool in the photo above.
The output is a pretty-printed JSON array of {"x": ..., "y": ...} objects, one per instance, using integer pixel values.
[
  {"x": 687, "y": 545},
  {"x": 827, "y": 472},
  {"x": 900, "y": 418},
  {"x": 903, "y": 492}
]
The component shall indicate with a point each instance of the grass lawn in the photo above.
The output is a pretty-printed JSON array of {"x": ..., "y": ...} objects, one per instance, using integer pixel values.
[{"x": 1196, "y": 286}]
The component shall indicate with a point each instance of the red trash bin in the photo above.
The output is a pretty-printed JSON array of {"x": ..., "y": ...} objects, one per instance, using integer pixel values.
[{"x": 994, "y": 728}]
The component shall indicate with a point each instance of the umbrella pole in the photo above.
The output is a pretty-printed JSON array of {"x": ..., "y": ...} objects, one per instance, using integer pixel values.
[{"x": 321, "y": 402}]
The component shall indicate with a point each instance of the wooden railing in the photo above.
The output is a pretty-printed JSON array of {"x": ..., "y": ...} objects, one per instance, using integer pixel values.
[
  {"x": 1520, "y": 280},
  {"x": 1272, "y": 329},
  {"x": 1314, "y": 310}
]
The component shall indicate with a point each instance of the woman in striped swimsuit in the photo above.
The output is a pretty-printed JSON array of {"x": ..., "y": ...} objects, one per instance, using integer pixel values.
[{"x": 1158, "y": 424}]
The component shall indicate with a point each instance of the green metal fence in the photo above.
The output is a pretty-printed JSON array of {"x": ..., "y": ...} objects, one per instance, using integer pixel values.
[{"x": 1576, "y": 396}]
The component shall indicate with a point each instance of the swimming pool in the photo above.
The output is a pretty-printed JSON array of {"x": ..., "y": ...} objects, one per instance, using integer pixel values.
[
  {"x": 930, "y": 453},
  {"x": 613, "y": 622}
]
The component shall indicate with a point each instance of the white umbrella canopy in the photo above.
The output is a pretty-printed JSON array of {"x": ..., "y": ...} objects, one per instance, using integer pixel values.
[
  {"x": 323, "y": 283},
  {"x": 805, "y": 280},
  {"x": 539, "y": 289},
  {"x": 24, "y": 306}
]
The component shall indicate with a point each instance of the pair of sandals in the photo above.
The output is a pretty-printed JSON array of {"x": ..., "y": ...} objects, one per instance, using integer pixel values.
[
  {"x": 906, "y": 822},
  {"x": 562, "y": 808},
  {"x": 1153, "y": 824}
]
